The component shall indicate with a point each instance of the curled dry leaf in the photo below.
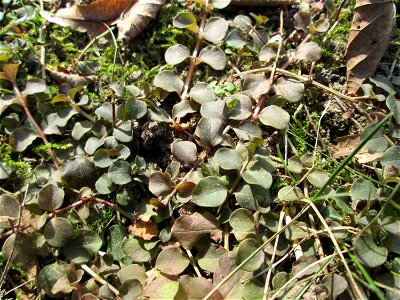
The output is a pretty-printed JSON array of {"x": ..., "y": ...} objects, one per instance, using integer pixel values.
[
  {"x": 368, "y": 39},
  {"x": 131, "y": 16}
]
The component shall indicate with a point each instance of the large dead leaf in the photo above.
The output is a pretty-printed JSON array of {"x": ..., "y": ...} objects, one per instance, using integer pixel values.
[
  {"x": 145, "y": 230},
  {"x": 368, "y": 39},
  {"x": 131, "y": 16},
  {"x": 89, "y": 18},
  {"x": 346, "y": 145},
  {"x": 138, "y": 18}
]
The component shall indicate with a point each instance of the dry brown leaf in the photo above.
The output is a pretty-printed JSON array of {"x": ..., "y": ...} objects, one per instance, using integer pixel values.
[
  {"x": 138, "y": 18},
  {"x": 368, "y": 39},
  {"x": 89, "y": 18},
  {"x": 145, "y": 230},
  {"x": 73, "y": 80},
  {"x": 346, "y": 144}
]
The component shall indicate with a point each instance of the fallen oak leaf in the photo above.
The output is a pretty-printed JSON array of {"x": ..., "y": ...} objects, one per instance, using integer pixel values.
[
  {"x": 137, "y": 18},
  {"x": 73, "y": 80},
  {"x": 89, "y": 18},
  {"x": 368, "y": 39},
  {"x": 144, "y": 229}
]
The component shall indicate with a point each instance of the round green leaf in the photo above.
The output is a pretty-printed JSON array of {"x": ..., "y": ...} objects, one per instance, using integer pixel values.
[
  {"x": 51, "y": 197},
  {"x": 161, "y": 288},
  {"x": 235, "y": 39},
  {"x": 160, "y": 184},
  {"x": 176, "y": 54},
  {"x": 391, "y": 157},
  {"x": 80, "y": 128},
  {"x": 186, "y": 20},
  {"x": 309, "y": 51},
  {"x": 208, "y": 257},
  {"x": 49, "y": 275},
  {"x": 214, "y": 57},
  {"x": 185, "y": 152},
  {"x": 171, "y": 261},
  {"x": 274, "y": 116},
  {"x": 363, "y": 189},
  {"x": 82, "y": 246},
  {"x": 243, "y": 108},
  {"x": 334, "y": 284},
  {"x": 57, "y": 231},
  {"x": 289, "y": 193},
  {"x": 247, "y": 130},
  {"x": 136, "y": 250},
  {"x": 377, "y": 143},
  {"x": 215, "y": 29},
  {"x": 9, "y": 208},
  {"x": 242, "y": 220},
  {"x": 132, "y": 271},
  {"x": 168, "y": 81},
  {"x": 114, "y": 238},
  {"x": 302, "y": 20},
  {"x": 183, "y": 108},
  {"x": 369, "y": 253},
  {"x": 201, "y": 93},
  {"x": 321, "y": 25},
  {"x": 104, "y": 185},
  {"x": 294, "y": 165},
  {"x": 290, "y": 89},
  {"x": 245, "y": 249},
  {"x": 210, "y": 192},
  {"x": 259, "y": 176},
  {"x": 120, "y": 172},
  {"x": 318, "y": 177},
  {"x": 209, "y": 131},
  {"x": 124, "y": 132},
  {"x": 269, "y": 51},
  {"x": 394, "y": 106},
  {"x": 103, "y": 158},
  {"x": 78, "y": 173},
  {"x": 131, "y": 289},
  {"x": 24, "y": 249},
  {"x": 131, "y": 109},
  {"x": 21, "y": 138},
  {"x": 92, "y": 144},
  {"x": 219, "y": 4},
  {"x": 257, "y": 84},
  {"x": 228, "y": 159}
]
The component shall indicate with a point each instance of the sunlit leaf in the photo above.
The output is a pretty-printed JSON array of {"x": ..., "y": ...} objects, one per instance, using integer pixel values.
[
  {"x": 228, "y": 159},
  {"x": 209, "y": 131},
  {"x": 274, "y": 116},
  {"x": 368, "y": 252},
  {"x": 215, "y": 29},
  {"x": 168, "y": 81},
  {"x": 391, "y": 157},
  {"x": 309, "y": 51},
  {"x": 171, "y": 261},
  {"x": 214, "y": 57},
  {"x": 245, "y": 249},
  {"x": 363, "y": 189},
  {"x": 21, "y": 138},
  {"x": 120, "y": 172},
  {"x": 318, "y": 177},
  {"x": 160, "y": 184},
  {"x": 57, "y": 231},
  {"x": 201, "y": 93},
  {"x": 289, "y": 193},
  {"x": 257, "y": 84},
  {"x": 210, "y": 192},
  {"x": 290, "y": 89},
  {"x": 185, "y": 152},
  {"x": 235, "y": 39},
  {"x": 186, "y": 20},
  {"x": 176, "y": 54},
  {"x": 50, "y": 197}
]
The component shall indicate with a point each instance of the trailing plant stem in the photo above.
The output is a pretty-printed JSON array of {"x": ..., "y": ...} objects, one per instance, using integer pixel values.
[{"x": 22, "y": 103}]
